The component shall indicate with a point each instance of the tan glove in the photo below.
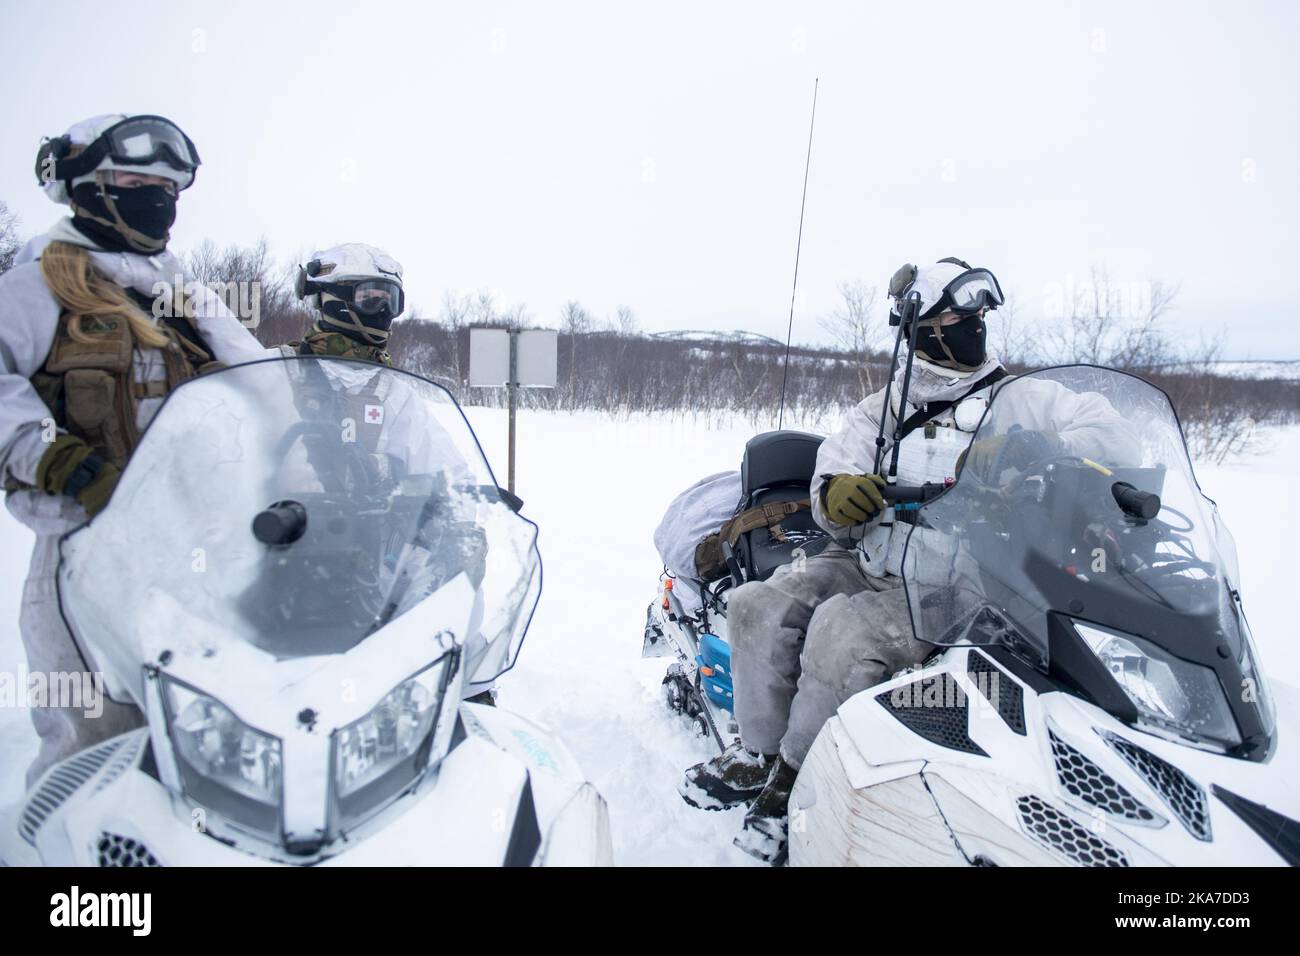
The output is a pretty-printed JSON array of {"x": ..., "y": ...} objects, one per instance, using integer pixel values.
[
  {"x": 853, "y": 499},
  {"x": 1012, "y": 450},
  {"x": 71, "y": 467}
]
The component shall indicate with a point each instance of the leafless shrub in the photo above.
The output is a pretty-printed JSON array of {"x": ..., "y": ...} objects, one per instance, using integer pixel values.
[
  {"x": 1122, "y": 325},
  {"x": 859, "y": 333},
  {"x": 9, "y": 241},
  {"x": 612, "y": 367},
  {"x": 256, "y": 274},
  {"x": 1009, "y": 336}
]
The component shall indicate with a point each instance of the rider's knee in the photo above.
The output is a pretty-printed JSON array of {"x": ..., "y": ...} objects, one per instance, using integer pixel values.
[{"x": 840, "y": 647}]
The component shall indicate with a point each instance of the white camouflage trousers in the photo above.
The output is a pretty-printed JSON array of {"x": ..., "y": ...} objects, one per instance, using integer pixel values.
[
  {"x": 51, "y": 650},
  {"x": 806, "y": 640}
]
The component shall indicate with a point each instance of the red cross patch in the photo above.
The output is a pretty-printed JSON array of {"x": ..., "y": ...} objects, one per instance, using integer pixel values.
[{"x": 375, "y": 414}]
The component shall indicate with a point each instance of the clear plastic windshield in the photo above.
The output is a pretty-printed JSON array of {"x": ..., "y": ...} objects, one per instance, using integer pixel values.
[
  {"x": 301, "y": 506},
  {"x": 1076, "y": 496}
]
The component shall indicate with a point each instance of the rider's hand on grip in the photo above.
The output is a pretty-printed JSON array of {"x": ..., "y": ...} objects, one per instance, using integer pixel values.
[
  {"x": 853, "y": 499},
  {"x": 1016, "y": 449},
  {"x": 71, "y": 467}
]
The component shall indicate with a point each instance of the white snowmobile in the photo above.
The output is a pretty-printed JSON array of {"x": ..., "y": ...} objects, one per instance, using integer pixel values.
[
  {"x": 1096, "y": 698},
  {"x": 304, "y": 563}
]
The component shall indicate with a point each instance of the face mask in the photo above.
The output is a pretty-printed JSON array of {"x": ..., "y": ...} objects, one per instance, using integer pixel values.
[
  {"x": 125, "y": 218},
  {"x": 959, "y": 346},
  {"x": 368, "y": 329}
]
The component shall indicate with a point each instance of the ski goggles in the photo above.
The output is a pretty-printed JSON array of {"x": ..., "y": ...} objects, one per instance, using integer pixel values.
[
  {"x": 138, "y": 141},
  {"x": 371, "y": 296},
  {"x": 970, "y": 292}
]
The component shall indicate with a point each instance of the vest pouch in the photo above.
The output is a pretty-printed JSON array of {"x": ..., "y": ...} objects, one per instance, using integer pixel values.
[
  {"x": 710, "y": 565},
  {"x": 109, "y": 348},
  {"x": 93, "y": 408}
]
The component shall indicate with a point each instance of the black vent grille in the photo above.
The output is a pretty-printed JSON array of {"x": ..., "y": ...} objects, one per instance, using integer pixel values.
[
  {"x": 1181, "y": 794},
  {"x": 1065, "y": 835},
  {"x": 117, "y": 850},
  {"x": 935, "y": 708},
  {"x": 1087, "y": 781},
  {"x": 999, "y": 689}
]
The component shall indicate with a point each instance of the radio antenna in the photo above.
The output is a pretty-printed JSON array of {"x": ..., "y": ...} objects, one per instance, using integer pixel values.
[{"x": 785, "y": 370}]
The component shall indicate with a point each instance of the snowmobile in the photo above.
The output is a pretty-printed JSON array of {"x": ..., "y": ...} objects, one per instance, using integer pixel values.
[
  {"x": 1095, "y": 698},
  {"x": 770, "y": 526},
  {"x": 305, "y": 562}
]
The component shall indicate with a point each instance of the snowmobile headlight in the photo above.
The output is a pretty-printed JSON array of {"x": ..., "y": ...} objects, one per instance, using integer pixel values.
[
  {"x": 224, "y": 764},
  {"x": 381, "y": 755},
  {"x": 1175, "y": 699}
]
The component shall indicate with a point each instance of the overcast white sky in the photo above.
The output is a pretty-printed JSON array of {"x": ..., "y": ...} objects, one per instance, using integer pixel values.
[{"x": 651, "y": 154}]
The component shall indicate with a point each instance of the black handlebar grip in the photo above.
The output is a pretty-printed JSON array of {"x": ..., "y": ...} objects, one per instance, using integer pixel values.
[
  {"x": 911, "y": 494},
  {"x": 1134, "y": 501},
  {"x": 282, "y": 523}
]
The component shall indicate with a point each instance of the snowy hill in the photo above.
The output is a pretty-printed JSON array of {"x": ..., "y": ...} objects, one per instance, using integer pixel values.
[
  {"x": 1287, "y": 370},
  {"x": 753, "y": 339}
]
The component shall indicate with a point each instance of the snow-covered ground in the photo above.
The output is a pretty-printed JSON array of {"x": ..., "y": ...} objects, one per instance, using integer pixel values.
[{"x": 597, "y": 486}]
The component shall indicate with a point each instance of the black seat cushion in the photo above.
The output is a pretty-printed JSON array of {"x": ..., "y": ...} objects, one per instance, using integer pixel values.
[{"x": 760, "y": 553}]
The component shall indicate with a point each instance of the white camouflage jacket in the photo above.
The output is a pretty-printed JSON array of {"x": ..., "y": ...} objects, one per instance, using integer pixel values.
[
  {"x": 29, "y": 316},
  {"x": 1087, "y": 423}
]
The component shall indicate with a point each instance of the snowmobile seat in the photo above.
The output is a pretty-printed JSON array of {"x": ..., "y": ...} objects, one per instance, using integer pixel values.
[
  {"x": 777, "y": 468},
  {"x": 774, "y": 459}
]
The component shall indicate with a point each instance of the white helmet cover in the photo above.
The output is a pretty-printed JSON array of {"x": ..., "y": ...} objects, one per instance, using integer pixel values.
[
  {"x": 931, "y": 280},
  {"x": 85, "y": 133},
  {"x": 350, "y": 262},
  {"x": 331, "y": 278}
]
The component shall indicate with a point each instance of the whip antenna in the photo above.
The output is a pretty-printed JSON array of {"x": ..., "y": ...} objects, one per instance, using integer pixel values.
[{"x": 785, "y": 370}]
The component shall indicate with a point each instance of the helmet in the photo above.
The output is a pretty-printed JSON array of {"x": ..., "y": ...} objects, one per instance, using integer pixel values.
[
  {"x": 357, "y": 288},
  {"x": 76, "y": 169},
  {"x": 949, "y": 286},
  {"x": 114, "y": 141}
]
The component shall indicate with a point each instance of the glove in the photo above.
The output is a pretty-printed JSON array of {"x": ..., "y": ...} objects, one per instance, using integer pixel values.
[
  {"x": 71, "y": 467},
  {"x": 853, "y": 499},
  {"x": 1015, "y": 449}
]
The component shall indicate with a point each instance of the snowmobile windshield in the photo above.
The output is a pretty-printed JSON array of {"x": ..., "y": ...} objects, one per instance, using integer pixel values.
[
  {"x": 1076, "y": 531},
  {"x": 304, "y": 507}
]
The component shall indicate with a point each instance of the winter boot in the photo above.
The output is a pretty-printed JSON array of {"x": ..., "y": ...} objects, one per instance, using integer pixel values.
[
  {"x": 765, "y": 830},
  {"x": 734, "y": 776}
]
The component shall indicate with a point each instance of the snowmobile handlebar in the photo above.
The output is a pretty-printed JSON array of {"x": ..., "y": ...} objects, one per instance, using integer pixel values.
[
  {"x": 914, "y": 494},
  {"x": 1134, "y": 502}
]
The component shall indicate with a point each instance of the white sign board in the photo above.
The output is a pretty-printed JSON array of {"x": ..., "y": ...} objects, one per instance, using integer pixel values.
[
  {"x": 489, "y": 357},
  {"x": 537, "y": 359}
]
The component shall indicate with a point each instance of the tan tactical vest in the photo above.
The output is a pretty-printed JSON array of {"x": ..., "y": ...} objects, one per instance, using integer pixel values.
[{"x": 90, "y": 387}]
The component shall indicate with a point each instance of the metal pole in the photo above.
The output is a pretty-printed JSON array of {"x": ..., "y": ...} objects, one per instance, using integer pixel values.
[
  {"x": 794, "y": 286},
  {"x": 512, "y": 388}
]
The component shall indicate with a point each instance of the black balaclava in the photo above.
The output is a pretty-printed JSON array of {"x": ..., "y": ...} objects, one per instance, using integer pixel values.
[
  {"x": 370, "y": 330},
  {"x": 124, "y": 218},
  {"x": 960, "y": 346}
]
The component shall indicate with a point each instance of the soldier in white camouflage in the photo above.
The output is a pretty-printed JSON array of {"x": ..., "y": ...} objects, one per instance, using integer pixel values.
[{"x": 357, "y": 290}]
